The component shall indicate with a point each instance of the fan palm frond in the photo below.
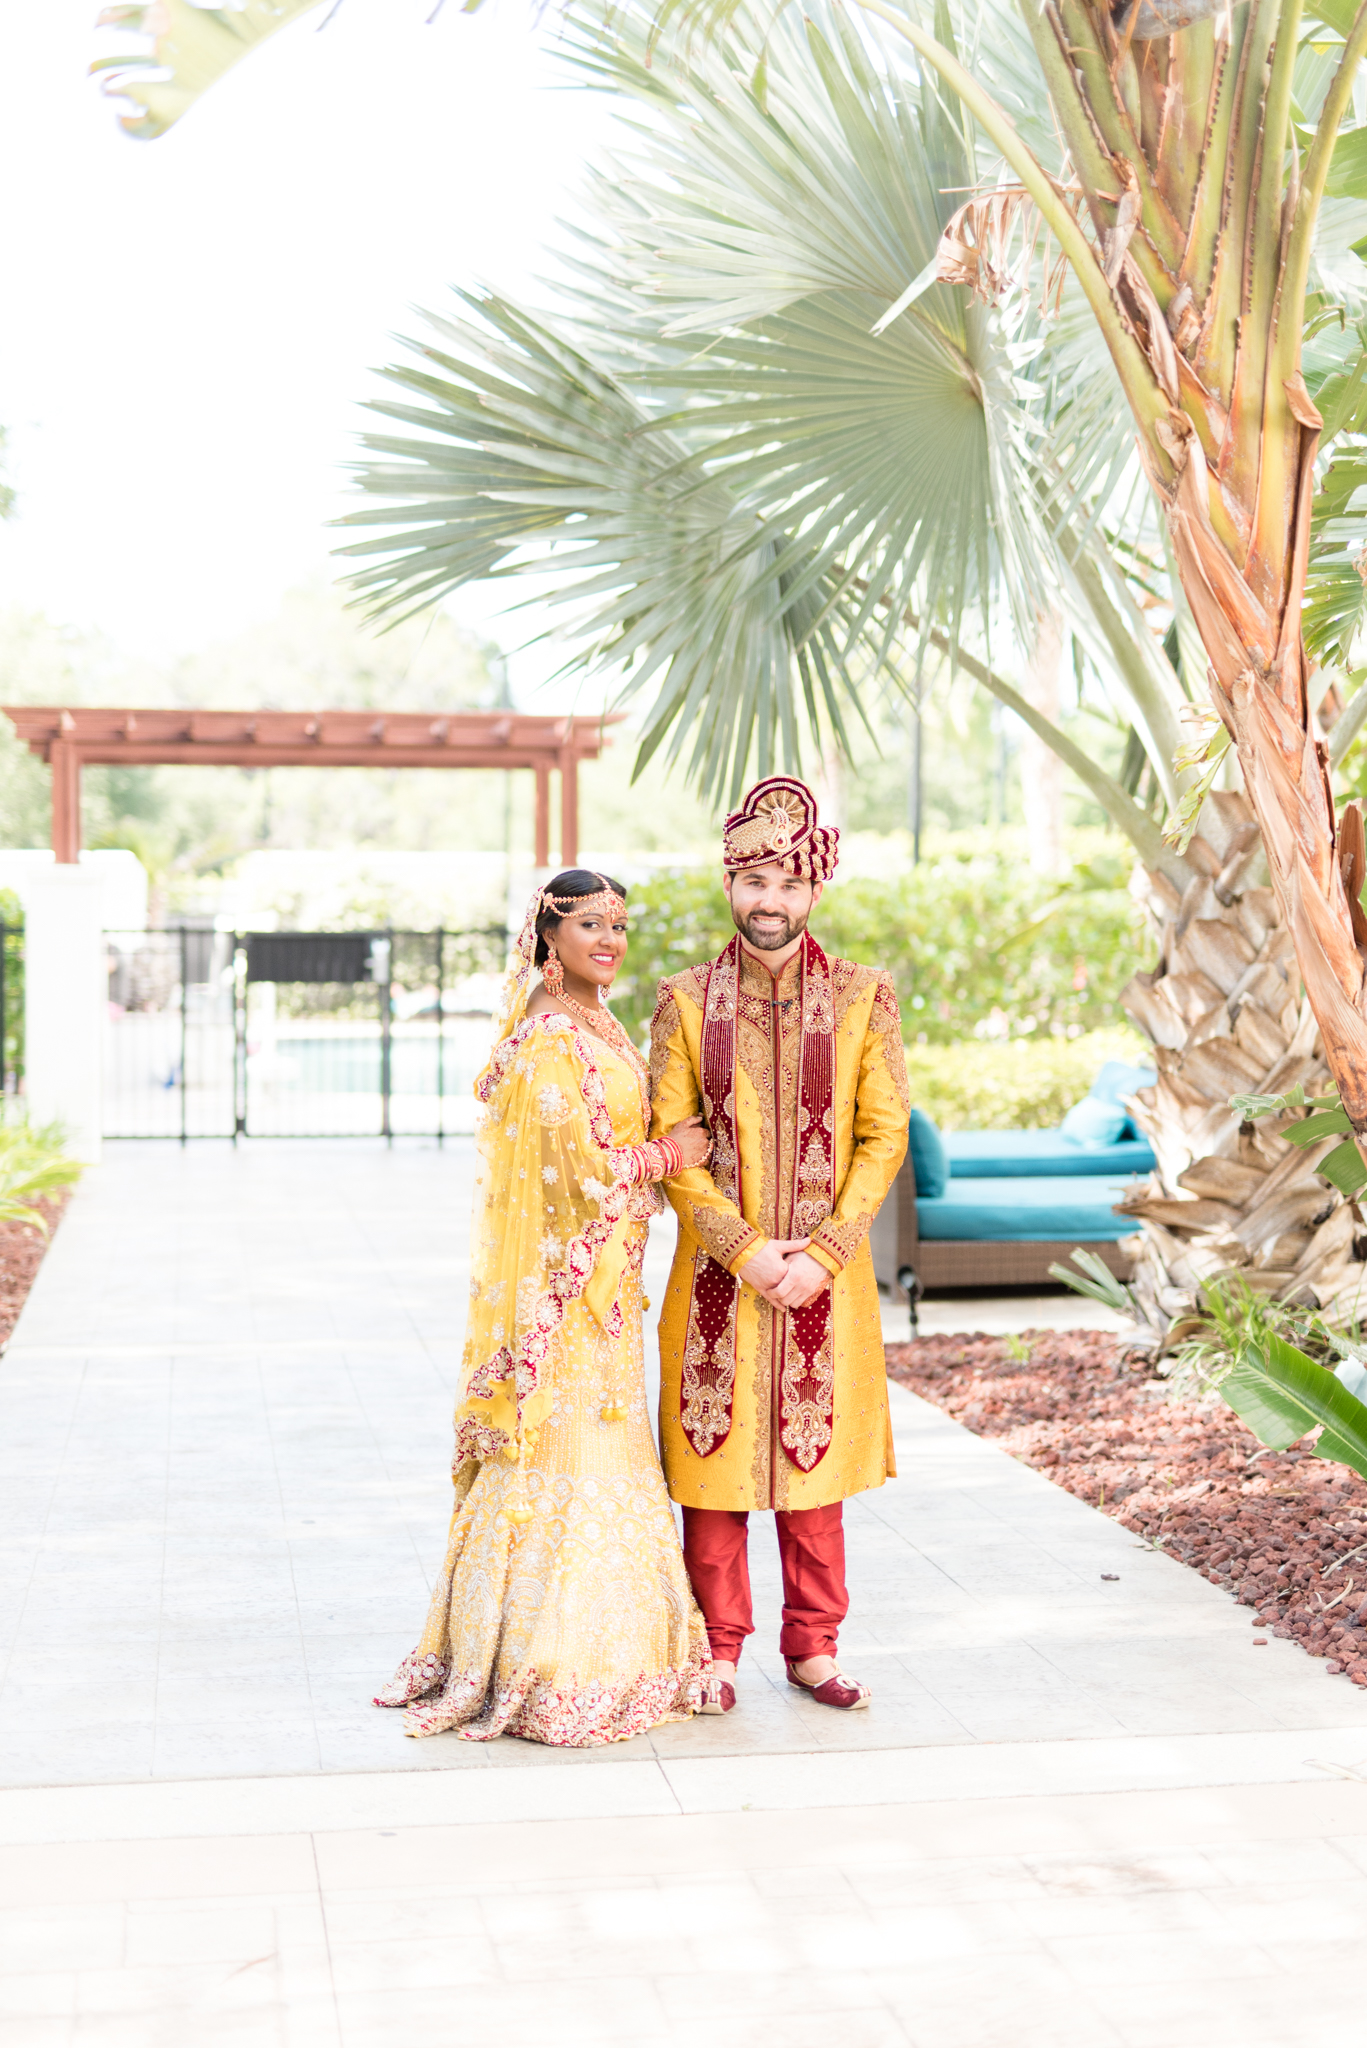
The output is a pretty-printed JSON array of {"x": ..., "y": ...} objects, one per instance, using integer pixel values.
[
  {"x": 737, "y": 487},
  {"x": 528, "y": 458}
]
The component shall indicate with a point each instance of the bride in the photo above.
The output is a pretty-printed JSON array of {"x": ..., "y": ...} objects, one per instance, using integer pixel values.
[{"x": 563, "y": 1612}]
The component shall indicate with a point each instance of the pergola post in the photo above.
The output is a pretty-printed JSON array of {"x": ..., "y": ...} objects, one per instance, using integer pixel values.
[
  {"x": 543, "y": 814},
  {"x": 569, "y": 808},
  {"x": 66, "y": 802}
]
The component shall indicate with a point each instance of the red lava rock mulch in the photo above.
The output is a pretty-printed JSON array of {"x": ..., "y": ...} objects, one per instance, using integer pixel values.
[
  {"x": 21, "y": 1254},
  {"x": 1285, "y": 1532}
]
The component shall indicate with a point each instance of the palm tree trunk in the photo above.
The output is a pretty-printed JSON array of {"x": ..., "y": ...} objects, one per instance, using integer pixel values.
[{"x": 1226, "y": 1013}]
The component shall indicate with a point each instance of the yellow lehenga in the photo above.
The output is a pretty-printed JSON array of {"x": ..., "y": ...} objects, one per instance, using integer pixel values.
[{"x": 563, "y": 1612}]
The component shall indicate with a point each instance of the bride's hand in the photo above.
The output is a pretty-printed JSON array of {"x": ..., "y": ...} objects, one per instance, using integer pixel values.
[{"x": 693, "y": 1141}]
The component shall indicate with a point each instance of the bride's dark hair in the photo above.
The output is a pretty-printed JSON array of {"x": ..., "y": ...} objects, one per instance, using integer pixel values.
[{"x": 574, "y": 882}]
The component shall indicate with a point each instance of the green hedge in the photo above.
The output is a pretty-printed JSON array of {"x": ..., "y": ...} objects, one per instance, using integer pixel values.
[
  {"x": 12, "y": 1023},
  {"x": 970, "y": 940},
  {"x": 1026, "y": 1084}
]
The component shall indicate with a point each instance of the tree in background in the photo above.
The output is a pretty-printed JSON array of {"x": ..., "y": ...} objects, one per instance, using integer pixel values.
[
  {"x": 744, "y": 486},
  {"x": 763, "y": 504}
]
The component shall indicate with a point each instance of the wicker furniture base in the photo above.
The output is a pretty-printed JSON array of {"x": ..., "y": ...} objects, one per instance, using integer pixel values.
[
  {"x": 951, "y": 1262},
  {"x": 898, "y": 1249}
]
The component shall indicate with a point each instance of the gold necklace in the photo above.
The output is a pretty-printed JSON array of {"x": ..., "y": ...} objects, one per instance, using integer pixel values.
[{"x": 615, "y": 1036}]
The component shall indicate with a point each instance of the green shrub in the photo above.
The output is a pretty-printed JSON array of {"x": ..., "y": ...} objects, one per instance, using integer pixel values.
[
  {"x": 970, "y": 940},
  {"x": 1021, "y": 1084},
  {"x": 678, "y": 918},
  {"x": 980, "y": 939},
  {"x": 32, "y": 1164},
  {"x": 12, "y": 1022}
]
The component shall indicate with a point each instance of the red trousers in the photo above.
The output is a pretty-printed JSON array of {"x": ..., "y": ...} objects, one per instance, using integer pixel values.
[{"x": 811, "y": 1548}]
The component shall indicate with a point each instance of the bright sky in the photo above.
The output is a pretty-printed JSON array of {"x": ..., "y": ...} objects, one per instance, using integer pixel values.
[{"x": 190, "y": 322}]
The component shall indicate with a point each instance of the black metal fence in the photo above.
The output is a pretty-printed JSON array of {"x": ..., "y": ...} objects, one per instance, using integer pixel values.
[{"x": 296, "y": 1034}]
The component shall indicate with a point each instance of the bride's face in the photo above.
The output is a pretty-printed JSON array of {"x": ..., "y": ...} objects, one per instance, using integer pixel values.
[{"x": 591, "y": 945}]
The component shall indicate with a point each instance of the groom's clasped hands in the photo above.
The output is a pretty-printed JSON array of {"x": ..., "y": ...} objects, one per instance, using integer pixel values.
[{"x": 785, "y": 1273}]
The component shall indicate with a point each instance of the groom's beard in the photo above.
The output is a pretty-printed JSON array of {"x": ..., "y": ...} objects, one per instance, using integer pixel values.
[{"x": 779, "y": 930}]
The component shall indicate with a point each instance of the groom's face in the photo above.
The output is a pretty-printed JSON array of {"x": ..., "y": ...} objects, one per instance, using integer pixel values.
[{"x": 770, "y": 908}]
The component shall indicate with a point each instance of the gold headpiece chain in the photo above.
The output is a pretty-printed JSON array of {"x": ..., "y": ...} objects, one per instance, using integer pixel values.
[{"x": 606, "y": 903}]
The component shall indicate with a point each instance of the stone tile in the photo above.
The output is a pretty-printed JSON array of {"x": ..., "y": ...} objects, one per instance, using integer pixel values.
[
  {"x": 1266, "y": 2011},
  {"x": 1308, "y": 1861},
  {"x": 767, "y": 1991},
  {"x": 517, "y": 2016},
  {"x": 402, "y": 1963},
  {"x": 1005, "y": 2002},
  {"x": 865, "y": 2029},
  {"x": 37, "y": 2030},
  {"x": 1114, "y": 1876},
  {"x": 288, "y": 1516},
  {"x": 162, "y": 1932},
  {"x": 36, "y": 1994},
  {"x": 53, "y": 1938},
  {"x": 1105, "y": 1960}
]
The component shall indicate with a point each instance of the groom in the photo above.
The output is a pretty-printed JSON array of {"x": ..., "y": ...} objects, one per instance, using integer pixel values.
[{"x": 773, "y": 1390}]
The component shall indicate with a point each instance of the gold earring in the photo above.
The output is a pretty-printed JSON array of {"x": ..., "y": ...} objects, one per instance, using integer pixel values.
[{"x": 553, "y": 973}]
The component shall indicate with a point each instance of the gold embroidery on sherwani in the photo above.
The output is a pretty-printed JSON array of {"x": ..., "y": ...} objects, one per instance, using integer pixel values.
[
  {"x": 662, "y": 1025},
  {"x": 848, "y": 983},
  {"x": 574, "y": 1626},
  {"x": 795, "y": 1196},
  {"x": 707, "y": 1383},
  {"x": 869, "y": 1139},
  {"x": 842, "y": 1240},
  {"x": 885, "y": 1018},
  {"x": 796, "y": 1005},
  {"x": 725, "y": 1237}
]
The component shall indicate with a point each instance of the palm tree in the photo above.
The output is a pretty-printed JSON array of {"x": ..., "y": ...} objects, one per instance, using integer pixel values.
[
  {"x": 179, "y": 50},
  {"x": 1198, "y": 139},
  {"x": 751, "y": 502},
  {"x": 731, "y": 478}
]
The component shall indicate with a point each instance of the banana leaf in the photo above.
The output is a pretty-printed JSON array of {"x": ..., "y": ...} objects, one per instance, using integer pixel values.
[
  {"x": 1344, "y": 1166},
  {"x": 1095, "y": 1280},
  {"x": 1328, "y": 1123},
  {"x": 1282, "y": 1395}
]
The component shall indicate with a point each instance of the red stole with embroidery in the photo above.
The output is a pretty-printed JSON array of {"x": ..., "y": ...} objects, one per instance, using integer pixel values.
[{"x": 802, "y": 1337}]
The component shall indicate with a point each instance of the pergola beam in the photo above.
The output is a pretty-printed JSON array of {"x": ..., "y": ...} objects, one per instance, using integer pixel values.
[{"x": 69, "y": 739}]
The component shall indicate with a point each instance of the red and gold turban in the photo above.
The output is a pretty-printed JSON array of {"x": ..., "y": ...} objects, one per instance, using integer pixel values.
[{"x": 777, "y": 824}]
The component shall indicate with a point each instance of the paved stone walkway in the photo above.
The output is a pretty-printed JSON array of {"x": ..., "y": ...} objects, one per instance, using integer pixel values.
[{"x": 1081, "y": 1808}]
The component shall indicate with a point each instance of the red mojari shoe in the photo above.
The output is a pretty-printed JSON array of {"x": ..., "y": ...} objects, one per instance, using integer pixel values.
[
  {"x": 718, "y": 1695},
  {"x": 846, "y": 1693}
]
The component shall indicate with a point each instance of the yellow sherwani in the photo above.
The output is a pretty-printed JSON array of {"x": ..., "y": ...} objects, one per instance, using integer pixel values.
[{"x": 749, "y": 1469}]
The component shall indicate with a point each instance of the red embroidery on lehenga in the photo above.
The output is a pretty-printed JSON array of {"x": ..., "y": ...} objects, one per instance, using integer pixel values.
[
  {"x": 806, "y": 1388},
  {"x": 475, "y": 1437},
  {"x": 576, "y": 1715}
]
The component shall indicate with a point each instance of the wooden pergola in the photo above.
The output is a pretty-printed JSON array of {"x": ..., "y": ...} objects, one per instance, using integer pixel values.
[{"x": 70, "y": 739}]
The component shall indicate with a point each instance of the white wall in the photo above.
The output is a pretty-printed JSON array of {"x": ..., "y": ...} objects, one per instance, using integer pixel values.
[
  {"x": 121, "y": 875},
  {"x": 65, "y": 999}
]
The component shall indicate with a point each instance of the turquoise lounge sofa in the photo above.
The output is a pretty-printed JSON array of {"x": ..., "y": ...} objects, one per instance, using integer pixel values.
[{"x": 998, "y": 1208}]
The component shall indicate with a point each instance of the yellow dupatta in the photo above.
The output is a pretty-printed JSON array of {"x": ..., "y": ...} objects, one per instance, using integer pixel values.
[{"x": 554, "y": 1194}]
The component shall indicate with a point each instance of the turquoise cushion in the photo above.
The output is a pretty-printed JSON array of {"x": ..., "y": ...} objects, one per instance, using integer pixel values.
[
  {"x": 976, "y": 1155},
  {"x": 1117, "y": 1080},
  {"x": 927, "y": 1148},
  {"x": 1094, "y": 1122},
  {"x": 1026, "y": 1211}
]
